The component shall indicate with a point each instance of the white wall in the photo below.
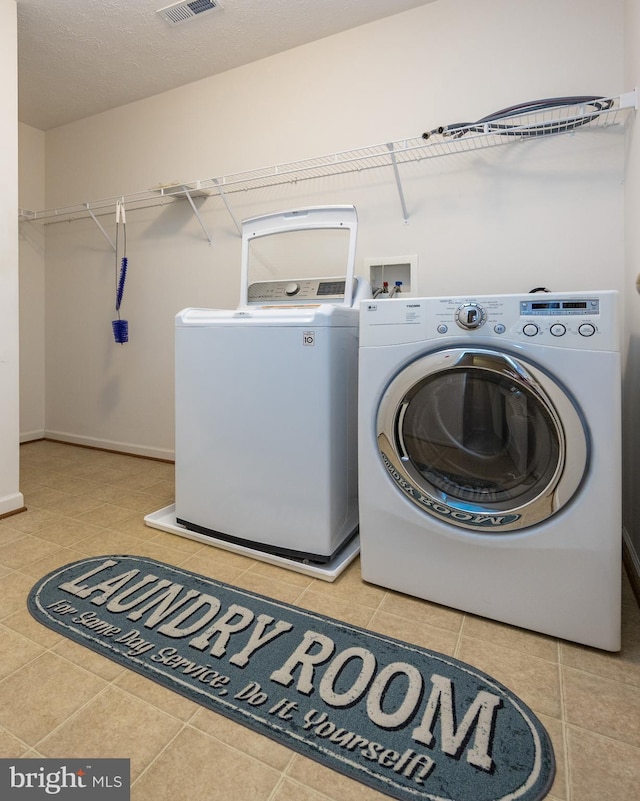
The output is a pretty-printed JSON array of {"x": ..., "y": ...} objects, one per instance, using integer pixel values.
[
  {"x": 10, "y": 497},
  {"x": 32, "y": 369},
  {"x": 545, "y": 212},
  {"x": 631, "y": 393}
]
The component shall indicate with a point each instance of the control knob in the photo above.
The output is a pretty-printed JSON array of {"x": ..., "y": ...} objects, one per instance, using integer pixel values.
[
  {"x": 292, "y": 289},
  {"x": 470, "y": 315}
]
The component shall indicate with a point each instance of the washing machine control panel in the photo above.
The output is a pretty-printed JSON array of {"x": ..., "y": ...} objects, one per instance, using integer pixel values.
[{"x": 307, "y": 290}]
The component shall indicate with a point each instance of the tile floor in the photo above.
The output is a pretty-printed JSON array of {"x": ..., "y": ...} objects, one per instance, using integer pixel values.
[{"x": 58, "y": 699}]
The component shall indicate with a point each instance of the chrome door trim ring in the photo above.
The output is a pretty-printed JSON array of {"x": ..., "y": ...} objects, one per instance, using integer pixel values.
[{"x": 558, "y": 404}]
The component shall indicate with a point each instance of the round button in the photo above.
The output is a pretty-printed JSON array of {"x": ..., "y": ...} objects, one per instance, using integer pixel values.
[
  {"x": 442, "y": 328},
  {"x": 530, "y": 330},
  {"x": 558, "y": 330},
  {"x": 499, "y": 328},
  {"x": 587, "y": 330},
  {"x": 292, "y": 289}
]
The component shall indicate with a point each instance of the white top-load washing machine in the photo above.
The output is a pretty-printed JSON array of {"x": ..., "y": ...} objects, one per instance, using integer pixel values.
[
  {"x": 490, "y": 457},
  {"x": 266, "y": 395}
]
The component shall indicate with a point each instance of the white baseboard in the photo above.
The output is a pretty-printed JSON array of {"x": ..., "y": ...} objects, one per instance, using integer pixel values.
[
  {"x": 11, "y": 503},
  {"x": 110, "y": 445},
  {"x": 31, "y": 436}
]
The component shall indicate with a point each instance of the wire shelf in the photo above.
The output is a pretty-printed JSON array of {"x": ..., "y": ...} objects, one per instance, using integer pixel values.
[{"x": 441, "y": 142}]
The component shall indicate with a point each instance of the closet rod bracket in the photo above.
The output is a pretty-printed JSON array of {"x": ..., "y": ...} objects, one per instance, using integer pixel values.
[{"x": 629, "y": 99}]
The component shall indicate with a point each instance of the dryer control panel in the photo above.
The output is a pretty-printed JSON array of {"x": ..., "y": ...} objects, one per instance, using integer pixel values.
[
  {"x": 586, "y": 321},
  {"x": 584, "y": 312},
  {"x": 549, "y": 320}
]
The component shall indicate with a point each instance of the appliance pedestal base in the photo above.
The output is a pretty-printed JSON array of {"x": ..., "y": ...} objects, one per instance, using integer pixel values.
[{"x": 165, "y": 520}]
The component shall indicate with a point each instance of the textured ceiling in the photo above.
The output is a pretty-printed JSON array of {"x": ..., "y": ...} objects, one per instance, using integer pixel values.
[{"x": 80, "y": 57}]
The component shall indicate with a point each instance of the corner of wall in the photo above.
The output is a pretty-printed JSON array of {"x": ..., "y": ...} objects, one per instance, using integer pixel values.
[{"x": 10, "y": 497}]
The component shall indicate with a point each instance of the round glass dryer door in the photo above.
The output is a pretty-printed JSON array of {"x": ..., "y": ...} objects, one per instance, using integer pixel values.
[{"x": 482, "y": 440}]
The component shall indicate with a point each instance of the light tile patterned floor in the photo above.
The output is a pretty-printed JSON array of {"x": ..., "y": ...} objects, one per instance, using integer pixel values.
[{"x": 58, "y": 699}]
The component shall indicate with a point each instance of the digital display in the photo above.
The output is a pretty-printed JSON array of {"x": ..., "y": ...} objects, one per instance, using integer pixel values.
[
  {"x": 558, "y": 307},
  {"x": 331, "y": 288}
]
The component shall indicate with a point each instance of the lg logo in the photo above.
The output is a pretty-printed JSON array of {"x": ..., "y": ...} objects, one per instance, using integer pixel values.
[{"x": 308, "y": 338}]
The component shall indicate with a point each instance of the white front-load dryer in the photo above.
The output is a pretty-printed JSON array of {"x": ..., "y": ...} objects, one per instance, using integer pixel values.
[{"x": 490, "y": 457}]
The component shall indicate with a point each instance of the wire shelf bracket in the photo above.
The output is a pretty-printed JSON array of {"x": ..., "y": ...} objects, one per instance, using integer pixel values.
[
  {"x": 396, "y": 173},
  {"x": 101, "y": 227},
  {"x": 187, "y": 194}
]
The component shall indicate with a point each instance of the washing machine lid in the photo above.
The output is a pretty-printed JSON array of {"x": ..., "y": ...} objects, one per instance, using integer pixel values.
[
  {"x": 294, "y": 317},
  {"x": 283, "y": 254},
  {"x": 482, "y": 440}
]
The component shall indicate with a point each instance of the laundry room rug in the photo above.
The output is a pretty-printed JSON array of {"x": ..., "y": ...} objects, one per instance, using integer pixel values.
[{"x": 408, "y": 722}]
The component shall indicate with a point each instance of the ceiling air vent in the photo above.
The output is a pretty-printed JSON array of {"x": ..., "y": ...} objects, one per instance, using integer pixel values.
[{"x": 178, "y": 13}]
